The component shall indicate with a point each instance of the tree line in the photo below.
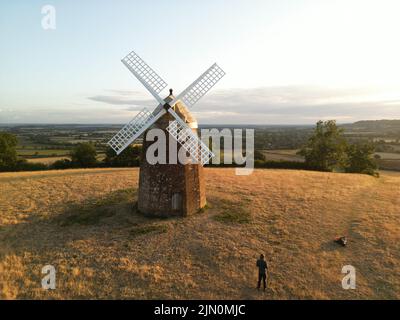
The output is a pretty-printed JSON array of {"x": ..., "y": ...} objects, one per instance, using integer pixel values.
[{"x": 327, "y": 149}]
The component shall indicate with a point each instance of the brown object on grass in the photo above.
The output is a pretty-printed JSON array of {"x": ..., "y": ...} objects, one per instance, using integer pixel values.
[{"x": 341, "y": 240}]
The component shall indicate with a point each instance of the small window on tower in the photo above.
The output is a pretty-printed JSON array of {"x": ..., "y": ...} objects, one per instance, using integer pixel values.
[{"x": 176, "y": 201}]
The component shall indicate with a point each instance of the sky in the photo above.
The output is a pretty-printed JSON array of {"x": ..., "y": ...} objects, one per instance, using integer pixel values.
[{"x": 286, "y": 61}]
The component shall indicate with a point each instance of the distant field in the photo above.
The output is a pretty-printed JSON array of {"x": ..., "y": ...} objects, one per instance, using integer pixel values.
[
  {"x": 282, "y": 155},
  {"x": 49, "y": 160},
  {"x": 389, "y": 164},
  {"x": 84, "y": 222},
  {"x": 42, "y": 152},
  {"x": 74, "y": 141},
  {"x": 389, "y": 155},
  {"x": 388, "y": 161}
]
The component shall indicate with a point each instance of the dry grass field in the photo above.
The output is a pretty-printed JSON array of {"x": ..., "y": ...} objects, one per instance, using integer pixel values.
[
  {"x": 48, "y": 160},
  {"x": 84, "y": 223}
]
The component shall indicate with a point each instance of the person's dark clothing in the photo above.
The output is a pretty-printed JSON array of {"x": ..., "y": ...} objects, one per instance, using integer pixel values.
[
  {"x": 262, "y": 266},
  {"x": 263, "y": 277}
]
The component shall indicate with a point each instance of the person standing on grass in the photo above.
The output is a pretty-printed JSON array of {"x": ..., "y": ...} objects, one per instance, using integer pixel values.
[{"x": 262, "y": 268}]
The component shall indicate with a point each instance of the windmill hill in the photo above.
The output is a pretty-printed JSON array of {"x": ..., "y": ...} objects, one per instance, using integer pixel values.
[{"x": 85, "y": 223}]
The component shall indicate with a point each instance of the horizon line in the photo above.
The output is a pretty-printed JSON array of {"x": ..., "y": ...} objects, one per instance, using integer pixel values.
[{"x": 204, "y": 124}]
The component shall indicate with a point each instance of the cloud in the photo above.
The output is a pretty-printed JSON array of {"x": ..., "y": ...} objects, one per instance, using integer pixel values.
[
  {"x": 123, "y": 100},
  {"x": 297, "y": 104},
  {"x": 264, "y": 105},
  {"x": 279, "y": 105}
]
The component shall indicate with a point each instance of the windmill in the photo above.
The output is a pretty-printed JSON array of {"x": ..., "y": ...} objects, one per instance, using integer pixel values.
[{"x": 170, "y": 189}]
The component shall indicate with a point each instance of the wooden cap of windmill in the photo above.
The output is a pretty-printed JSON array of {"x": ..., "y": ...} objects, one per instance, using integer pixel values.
[{"x": 181, "y": 110}]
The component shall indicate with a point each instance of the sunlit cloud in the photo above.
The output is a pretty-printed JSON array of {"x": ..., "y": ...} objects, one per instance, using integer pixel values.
[{"x": 278, "y": 105}]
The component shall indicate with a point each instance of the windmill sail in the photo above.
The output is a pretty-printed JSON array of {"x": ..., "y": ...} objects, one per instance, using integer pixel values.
[
  {"x": 201, "y": 85},
  {"x": 145, "y": 74},
  {"x": 133, "y": 129},
  {"x": 190, "y": 142},
  {"x": 178, "y": 129}
]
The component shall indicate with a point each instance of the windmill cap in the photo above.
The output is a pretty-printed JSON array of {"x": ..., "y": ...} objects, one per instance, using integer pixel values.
[
  {"x": 169, "y": 98},
  {"x": 185, "y": 114}
]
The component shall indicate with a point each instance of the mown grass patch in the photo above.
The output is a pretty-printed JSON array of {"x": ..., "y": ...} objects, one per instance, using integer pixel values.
[
  {"x": 94, "y": 210},
  {"x": 232, "y": 212},
  {"x": 145, "y": 229}
]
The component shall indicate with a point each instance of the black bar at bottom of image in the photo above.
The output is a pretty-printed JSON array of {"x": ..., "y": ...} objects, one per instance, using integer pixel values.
[{"x": 196, "y": 309}]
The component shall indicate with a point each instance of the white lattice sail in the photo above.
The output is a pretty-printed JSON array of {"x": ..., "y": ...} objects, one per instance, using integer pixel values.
[
  {"x": 178, "y": 129},
  {"x": 133, "y": 129},
  {"x": 201, "y": 85},
  {"x": 145, "y": 74},
  {"x": 198, "y": 151}
]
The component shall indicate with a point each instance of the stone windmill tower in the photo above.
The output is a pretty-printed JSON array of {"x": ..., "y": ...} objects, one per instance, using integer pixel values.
[{"x": 172, "y": 188}]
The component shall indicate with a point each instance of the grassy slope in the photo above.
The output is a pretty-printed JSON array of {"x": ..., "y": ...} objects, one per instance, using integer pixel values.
[{"x": 83, "y": 222}]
